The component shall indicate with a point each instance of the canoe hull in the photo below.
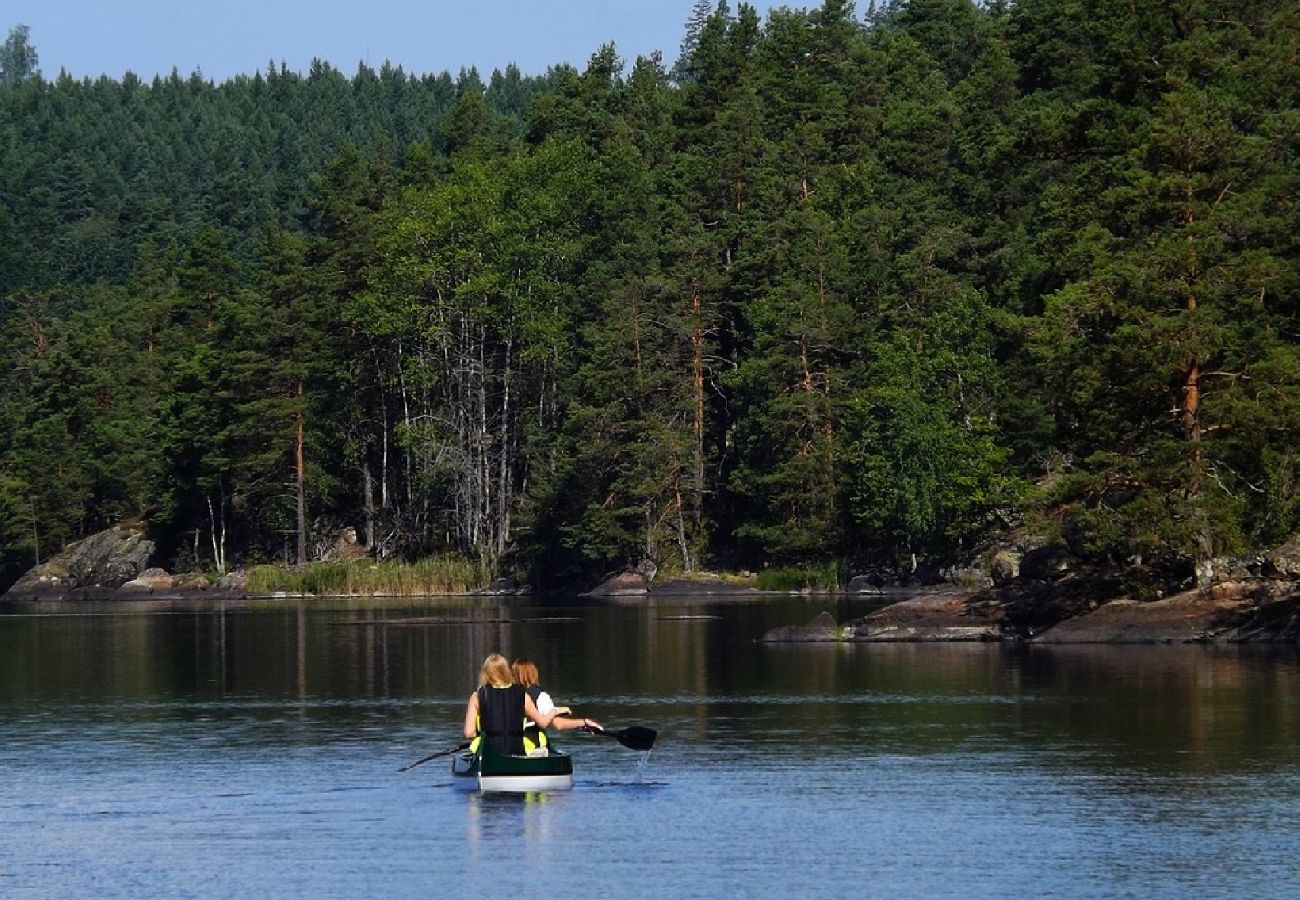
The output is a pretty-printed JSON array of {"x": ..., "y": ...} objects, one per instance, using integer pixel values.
[
  {"x": 491, "y": 771},
  {"x": 524, "y": 783}
]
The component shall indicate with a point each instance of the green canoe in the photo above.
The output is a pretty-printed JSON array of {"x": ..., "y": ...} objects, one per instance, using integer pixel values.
[{"x": 496, "y": 771}]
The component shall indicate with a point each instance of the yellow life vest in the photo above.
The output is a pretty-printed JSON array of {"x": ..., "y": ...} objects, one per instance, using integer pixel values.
[{"x": 534, "y": 737}]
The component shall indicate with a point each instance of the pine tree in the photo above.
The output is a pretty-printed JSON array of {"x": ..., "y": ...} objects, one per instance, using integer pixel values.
[
  {"x": 1166, "y": 350},
  {"x": 695, "y": 25}
]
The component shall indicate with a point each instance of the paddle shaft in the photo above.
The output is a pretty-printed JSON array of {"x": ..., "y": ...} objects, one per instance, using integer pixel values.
[
  {"x": 634, "y": 737},
  {"x": 464, "y": 746}
]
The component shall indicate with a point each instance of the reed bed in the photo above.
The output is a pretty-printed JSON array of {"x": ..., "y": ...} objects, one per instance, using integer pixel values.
[
  {"x": 800, "y": 578},
  {"x": 435, "y": 575}
]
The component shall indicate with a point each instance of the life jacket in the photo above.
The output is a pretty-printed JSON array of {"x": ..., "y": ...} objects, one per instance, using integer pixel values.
[
  {"x": 534, "y": 737},
  {"x": 500, "y": 712}
]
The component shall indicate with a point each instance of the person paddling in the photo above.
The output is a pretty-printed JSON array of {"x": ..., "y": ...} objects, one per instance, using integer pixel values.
[
  {"x": 499, "y": 707},
  {"x": 526, "y": 676}
]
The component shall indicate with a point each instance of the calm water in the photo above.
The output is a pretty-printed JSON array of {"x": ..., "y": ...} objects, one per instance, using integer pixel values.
[{"x": 253, "y": 752}]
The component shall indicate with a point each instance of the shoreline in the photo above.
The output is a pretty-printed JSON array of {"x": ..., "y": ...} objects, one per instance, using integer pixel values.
[
  {"x": 1073, "y": 607},
  {"x": 1258, "y": 612}
]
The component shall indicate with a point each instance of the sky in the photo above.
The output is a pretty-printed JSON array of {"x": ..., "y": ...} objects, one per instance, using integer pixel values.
[{"x": 224, "y": 38}]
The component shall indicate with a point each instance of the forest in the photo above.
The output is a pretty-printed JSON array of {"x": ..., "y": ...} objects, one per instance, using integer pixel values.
[{"x": 839, "y": 288}]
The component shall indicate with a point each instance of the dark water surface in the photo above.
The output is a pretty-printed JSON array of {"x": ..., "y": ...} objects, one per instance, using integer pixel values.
[{"x": 252, "y": 752}]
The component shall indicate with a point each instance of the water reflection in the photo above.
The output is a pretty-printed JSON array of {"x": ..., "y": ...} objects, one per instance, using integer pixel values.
[
  {"x": 499, "y": 826},
  {"x": 383, "y": 668},
  {"x": 254, "y": 748}
]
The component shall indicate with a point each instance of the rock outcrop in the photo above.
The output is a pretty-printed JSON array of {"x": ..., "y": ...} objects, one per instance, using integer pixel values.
[
  {"x": 622, "y": 585},
  {"x": 1072, "y": 607},
  {"x": 1284, "y": 562},
  {"x": 100, "y": 563},
  {"x": 151, "y": 580},
  {"x": 115, "y": 564},
  {"x": 931, "y": 617},
  {"x": 821, "y": 628}
]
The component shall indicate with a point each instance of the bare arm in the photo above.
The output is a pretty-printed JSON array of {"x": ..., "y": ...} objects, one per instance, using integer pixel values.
[
  {"x": 471, "y": 717},
  {"x": 553, "y": 719}
]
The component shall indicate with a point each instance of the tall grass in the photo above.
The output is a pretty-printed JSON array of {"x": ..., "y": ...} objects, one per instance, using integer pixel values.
[
  {"x": 824, "y": 577},
  {"x": 435, "y": 575}
]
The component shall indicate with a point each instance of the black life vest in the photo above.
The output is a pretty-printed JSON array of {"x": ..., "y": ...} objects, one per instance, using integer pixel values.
[{"x": 501, "y": 716}]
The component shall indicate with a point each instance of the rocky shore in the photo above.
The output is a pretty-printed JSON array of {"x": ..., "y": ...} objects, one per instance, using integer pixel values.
[
  {"x": 1071, "y": 611},
  {"x": 115, "y": 564},
  {"x": 1042, "y": 596}
]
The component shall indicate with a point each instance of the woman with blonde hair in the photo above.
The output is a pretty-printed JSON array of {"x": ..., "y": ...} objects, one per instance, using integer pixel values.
[{"x": 499, "y": 707}]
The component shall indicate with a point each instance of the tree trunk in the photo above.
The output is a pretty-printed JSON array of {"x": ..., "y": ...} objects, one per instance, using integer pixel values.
[
  {"x": 368, "y": 504},
  {"x": 1191, "y": 414},
  {"x": 688, "y": 564},
  {"x": 383, "y": 431},
  {"x": 503, "y": 466},
  {"x": 300, "y": 473},
  {"x": 697, "y": 371},
  {"x": 36, "y": 534},
  {"x": 406, "y": 422},
  {"x": 218, "y": 525}
]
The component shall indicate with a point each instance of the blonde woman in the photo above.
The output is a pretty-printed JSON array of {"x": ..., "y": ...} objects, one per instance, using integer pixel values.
[{"x": 499, "y": 706}]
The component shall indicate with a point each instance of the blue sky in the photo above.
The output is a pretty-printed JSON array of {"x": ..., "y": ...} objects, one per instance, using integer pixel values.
[{"x": 223, "y": 38}]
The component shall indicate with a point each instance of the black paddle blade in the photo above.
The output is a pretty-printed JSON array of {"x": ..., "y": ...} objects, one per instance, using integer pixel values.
[{"x": 636, "y": 738}]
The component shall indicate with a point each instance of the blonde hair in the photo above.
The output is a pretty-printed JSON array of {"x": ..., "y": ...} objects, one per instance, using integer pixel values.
[
  {"x": 525, "y": 672},
  {"x": 495, "y": 671}
]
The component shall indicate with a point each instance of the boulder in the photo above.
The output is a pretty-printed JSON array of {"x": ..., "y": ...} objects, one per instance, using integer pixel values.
[
  {"x": 1004, "y": 566},
  {"x": 151, "y": 580},
  {"x": 157, "y": 581},
  {"x": 347, "y": 547},
  {"x": 1284, "y": 562},
  {"x": 1238, "y": 568},
  {"x": 871, "y": 583},
  {"x": 622, "y": 585},
  {"x": 822, "y": 627},
  {"x": 945, "y": 616},
  {"x": 106, "y": 560},
  {"x": 1190, "y": 616},
  {"x": 233, "y": 581},
  {"x": 1277, "y": 620}
]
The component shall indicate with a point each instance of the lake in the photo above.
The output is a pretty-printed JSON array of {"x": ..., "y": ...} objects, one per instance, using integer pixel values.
[{"x": 245, "y": 750}]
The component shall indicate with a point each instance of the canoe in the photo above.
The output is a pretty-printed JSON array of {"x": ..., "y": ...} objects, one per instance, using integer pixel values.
[{"x": 496, "y": 771}]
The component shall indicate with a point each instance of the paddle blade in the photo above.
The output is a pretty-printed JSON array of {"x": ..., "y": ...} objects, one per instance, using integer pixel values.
[{"x": 636, "y": 737}]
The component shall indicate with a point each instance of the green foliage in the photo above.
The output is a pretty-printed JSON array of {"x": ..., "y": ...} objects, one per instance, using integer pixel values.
[
  {"x": 18, "y": 57},
  {"x": 830, "y": 291},
  {"x": 795, "y": 578},
  {"x": 1161, "y": 352}
]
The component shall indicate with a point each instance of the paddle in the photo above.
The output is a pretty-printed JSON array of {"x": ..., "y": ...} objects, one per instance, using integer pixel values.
[
  {"x": 634, "y": 737},
  {"x": 464, "y": 746}
]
